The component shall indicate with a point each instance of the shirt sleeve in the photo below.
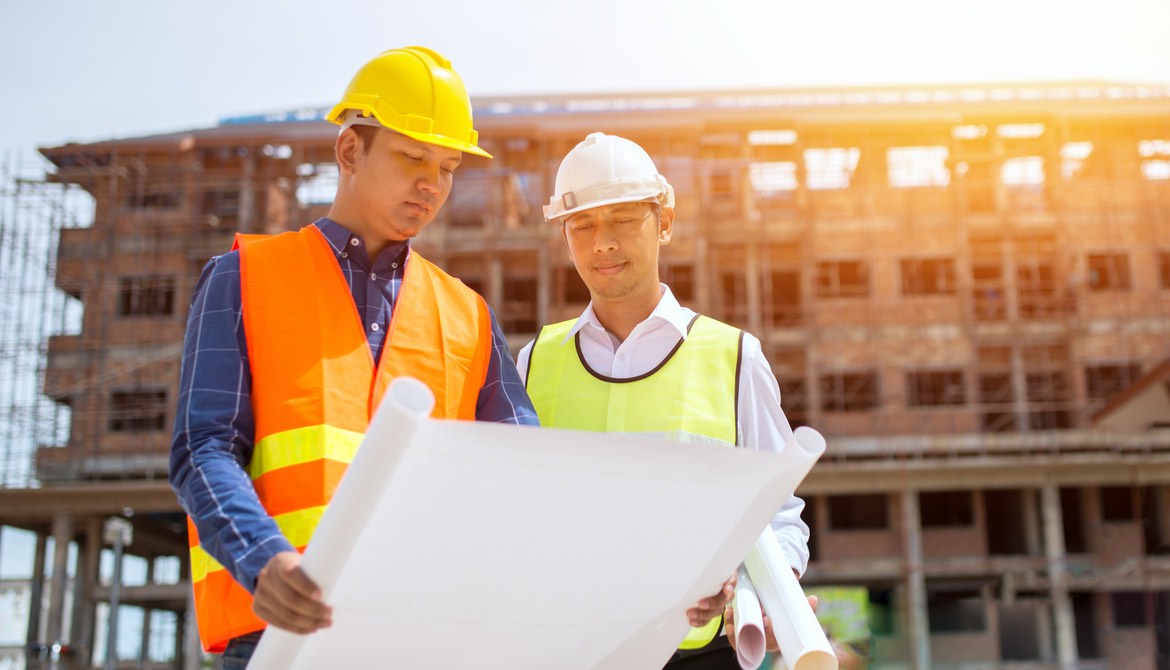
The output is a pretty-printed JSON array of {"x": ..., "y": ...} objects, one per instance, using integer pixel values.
[
  {"x": 764, "y": 426},
  {"x": 213, "y": 434},
  {"x": 503, "y": 398}
]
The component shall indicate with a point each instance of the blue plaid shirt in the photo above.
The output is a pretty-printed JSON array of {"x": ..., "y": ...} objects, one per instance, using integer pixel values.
[{"x": 214, "y": 426}]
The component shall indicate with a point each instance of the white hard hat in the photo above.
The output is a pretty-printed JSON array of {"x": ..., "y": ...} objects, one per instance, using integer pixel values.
[{"x": 605, "y": 170}]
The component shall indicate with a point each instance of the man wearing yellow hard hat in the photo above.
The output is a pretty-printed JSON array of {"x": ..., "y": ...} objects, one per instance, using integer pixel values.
[
  {"x": 638, "y": 361},
  {"x": 292, "y": 339}
]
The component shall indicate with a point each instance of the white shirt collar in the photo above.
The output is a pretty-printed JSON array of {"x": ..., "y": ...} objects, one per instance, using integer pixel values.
[{"x": 667, "y": 310}]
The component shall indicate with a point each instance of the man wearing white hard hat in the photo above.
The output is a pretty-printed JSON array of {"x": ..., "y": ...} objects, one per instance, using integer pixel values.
[{"x": 671, "y": 370}]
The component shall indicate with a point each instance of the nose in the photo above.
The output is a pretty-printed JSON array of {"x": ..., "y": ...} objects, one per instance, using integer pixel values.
[
  {"x": 429, "y": 178},
  {"x": 604, "y": 241}
]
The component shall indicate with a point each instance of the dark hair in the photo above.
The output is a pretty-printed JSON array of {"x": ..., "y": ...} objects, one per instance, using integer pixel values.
[{"x": 367, "y": 134}]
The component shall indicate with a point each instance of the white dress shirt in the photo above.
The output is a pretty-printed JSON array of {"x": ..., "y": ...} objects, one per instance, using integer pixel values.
[{"x": 762, "y": 424}]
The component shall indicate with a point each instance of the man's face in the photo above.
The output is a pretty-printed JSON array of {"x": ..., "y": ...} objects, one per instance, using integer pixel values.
[
  {"x": 615, "y": 247},
  {"x": 401, "y": 183}
]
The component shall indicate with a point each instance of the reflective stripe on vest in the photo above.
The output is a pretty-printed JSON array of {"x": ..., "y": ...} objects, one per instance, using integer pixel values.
[
  {"x": 694, "y": 392},
  {"x": 315, "y": 387}
]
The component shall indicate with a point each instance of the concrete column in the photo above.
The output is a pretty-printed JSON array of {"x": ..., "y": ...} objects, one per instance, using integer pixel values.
[
  {"x": 247, "y": 200},
  {"x": 86, "y": 576},
  {"x": 494, "y": 288},
  {"x": 1019, "y": 379},
  {"x": 544, "y": 283},
  {"x": 1044, "y": 633},
  {"x": 144, "y": 647},
  {"x": 752, "y": 287},
  {"x": 702, "y": 274},
  {"x": 192, "y": 648},
  {"x": 1062, "y": 611},
  {"x": 37, "y": 590},
  {"x": 915, "y": 582},
  {"x": 1031, "y": 519},
  {"x": 62, "y": 535}
]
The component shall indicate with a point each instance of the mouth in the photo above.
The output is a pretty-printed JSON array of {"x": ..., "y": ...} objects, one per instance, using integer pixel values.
[
  {"x": 608, "y": 269},
  {"x": 420, "y": 208}
]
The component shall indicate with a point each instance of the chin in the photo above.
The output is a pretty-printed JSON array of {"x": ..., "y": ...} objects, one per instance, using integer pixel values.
[{"x": 407, "y": 230}]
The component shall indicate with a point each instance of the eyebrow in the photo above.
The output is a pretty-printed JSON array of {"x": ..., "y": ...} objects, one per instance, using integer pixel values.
[
  {"x": 426, "y": 148},
  {"x": 629, "y": 208}
]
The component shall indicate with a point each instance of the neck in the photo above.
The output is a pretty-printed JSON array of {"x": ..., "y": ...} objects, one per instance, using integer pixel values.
[
  {"x": 621, "y": 315},
  {"x": 353, "y": 222}
]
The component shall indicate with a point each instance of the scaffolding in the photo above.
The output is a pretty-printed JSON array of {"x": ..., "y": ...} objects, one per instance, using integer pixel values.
[{"x": 33, "y": 212}]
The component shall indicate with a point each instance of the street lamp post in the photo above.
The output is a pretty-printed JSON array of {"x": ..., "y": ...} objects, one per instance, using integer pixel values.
[{"x": 118, "y": 532}]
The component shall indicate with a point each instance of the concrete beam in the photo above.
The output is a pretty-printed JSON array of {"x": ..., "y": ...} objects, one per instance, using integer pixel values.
[
  {"x": 19, "y": 506},
  {"x": 159, "y": 596},
  {"x": 1025, "y": 471}
]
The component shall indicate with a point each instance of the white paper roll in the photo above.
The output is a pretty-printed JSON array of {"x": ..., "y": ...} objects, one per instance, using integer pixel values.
[
  {"x": 750, "y": 642},
  {"x": 802, "y": 641}
]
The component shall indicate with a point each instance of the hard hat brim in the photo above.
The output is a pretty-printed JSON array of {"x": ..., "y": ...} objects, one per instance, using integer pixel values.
[
  {"x": 337, "y": 116},
  {"x": 551, "y": 213}
]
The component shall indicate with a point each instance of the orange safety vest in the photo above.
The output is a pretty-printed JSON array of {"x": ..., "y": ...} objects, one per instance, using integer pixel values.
[{"x": 315, "y": 387}]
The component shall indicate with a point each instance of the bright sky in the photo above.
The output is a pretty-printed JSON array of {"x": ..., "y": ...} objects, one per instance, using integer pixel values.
[{"x": 84, "y": 70}]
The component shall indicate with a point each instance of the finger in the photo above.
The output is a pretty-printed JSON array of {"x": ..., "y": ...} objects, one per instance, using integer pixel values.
[
  {"x": 281, "y": 617},
  {"x": 281, "y": 599},
  {"x": 770, "y": 642},
  {"x": 298, "y": 581},
  {"x": 298, "y": 605},
  {"x": 812, "y": 602},
  {"x": 719, "y": 600},
  {"x": 699, "y": 616},
  {"x": 729, "y": 625}
]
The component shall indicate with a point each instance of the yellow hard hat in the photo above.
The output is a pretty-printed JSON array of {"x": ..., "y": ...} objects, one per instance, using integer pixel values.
[{"x": 415, "y": 92}]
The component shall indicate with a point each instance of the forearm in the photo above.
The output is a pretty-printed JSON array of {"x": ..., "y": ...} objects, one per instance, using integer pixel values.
[
  {"x": 792, "y": 533},
  {"x": 502, "y": 399},
  {"x": 234, "y": 528}
]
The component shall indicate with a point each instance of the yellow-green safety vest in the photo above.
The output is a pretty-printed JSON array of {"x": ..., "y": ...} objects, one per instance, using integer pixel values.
[{"x": 692, "y": 394}]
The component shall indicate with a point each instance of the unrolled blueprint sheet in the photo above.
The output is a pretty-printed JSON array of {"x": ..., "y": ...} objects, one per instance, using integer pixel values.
[{"x": 471, "y": 545}]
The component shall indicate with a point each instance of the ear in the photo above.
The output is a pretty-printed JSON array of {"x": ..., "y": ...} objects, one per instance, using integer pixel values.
[
  {"x": 665, "y": 226},
  {"x": 347, "y": 150}
]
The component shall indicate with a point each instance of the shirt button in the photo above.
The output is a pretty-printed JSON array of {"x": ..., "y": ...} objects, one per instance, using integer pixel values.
[
  {"x": 394, "y": 265},
  {"x": 345, "y": 254},
  {"x": 375, "y": 327},
  {"x": 354, "y": 241},
  {"x": 373, "y": 276}
]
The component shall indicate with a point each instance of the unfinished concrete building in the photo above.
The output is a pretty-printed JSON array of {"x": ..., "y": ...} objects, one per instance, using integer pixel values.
[{"x": 956, "y": 285}]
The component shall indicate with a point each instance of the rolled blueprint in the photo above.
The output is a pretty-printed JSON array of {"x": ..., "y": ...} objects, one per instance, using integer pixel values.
[
  {"x": 750, "y": 642},
  {"x": 802, "y": 640},
  {"x": 407, "y": 403}
]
